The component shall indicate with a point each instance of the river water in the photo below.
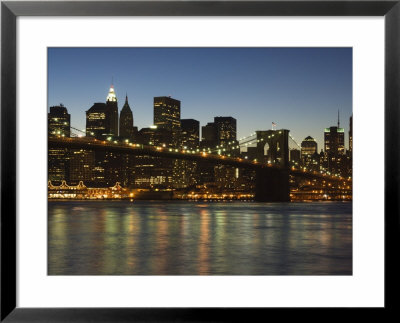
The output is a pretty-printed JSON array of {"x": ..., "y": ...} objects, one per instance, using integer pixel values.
[{"x": 199, "y": 238}]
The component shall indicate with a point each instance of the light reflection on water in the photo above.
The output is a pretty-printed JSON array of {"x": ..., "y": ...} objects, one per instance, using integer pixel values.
[{"x": 189, "y": 238}]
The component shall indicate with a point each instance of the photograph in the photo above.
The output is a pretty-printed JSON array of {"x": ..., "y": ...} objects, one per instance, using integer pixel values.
[{"x": 200, "y": 161}]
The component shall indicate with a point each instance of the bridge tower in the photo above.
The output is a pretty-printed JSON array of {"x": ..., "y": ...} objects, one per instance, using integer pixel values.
[
  {"x": 272, "y": 184},
  {"x": 273, "y": 146}
]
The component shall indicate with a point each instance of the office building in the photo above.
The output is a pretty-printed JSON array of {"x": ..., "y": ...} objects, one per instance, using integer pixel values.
[
  {"x": 226, "y": 129},
  {"x": 59, "y": 125},
  {"x": 59, "y": 121},
  {"x": 190, "y": 129},
  {"x": 167, "y": 113},
  {"x": 58, "y": 164},
  {"x": 334, "y": 155},
  {"x": 308, "y": 147},
  {"x": 334, "y": 141},
  {"x": 97, "y": 123},
  {"x": 81, "y": 165},
  {"x": 209, "y": 135}
]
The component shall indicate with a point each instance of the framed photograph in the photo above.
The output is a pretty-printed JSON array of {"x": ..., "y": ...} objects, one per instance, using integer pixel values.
[{"x": 178, "y": 160}]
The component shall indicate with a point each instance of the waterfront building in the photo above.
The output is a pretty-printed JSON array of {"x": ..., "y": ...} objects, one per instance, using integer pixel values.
[
  {"x": 126, "y": 129},
  {"x": 154, "y": 172},
  {"x": 81, "y": 191},
  {"x": 59, "y": 121},
  {"x": 81, "y": 164},
  {"x": 58, "y": 164}
]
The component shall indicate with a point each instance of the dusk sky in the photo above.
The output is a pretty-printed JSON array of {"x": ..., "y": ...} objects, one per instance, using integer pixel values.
[{"x": 300, "y": 89}]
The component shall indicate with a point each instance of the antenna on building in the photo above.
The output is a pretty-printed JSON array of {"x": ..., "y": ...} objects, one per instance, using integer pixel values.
[{"x": 338, "y": 121}]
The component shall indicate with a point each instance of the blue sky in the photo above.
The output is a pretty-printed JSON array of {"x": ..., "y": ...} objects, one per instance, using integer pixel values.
[{"x": 300, "y": 89}]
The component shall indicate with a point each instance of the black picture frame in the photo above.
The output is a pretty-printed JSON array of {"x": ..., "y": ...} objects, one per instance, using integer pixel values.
[{"x": 10, "y": 10}]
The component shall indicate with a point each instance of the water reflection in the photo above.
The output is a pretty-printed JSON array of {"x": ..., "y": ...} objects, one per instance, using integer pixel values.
[{"x": 185, "y": 238}]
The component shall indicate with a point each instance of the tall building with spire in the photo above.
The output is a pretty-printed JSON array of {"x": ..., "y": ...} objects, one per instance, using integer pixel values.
[
  {"x": 112, "y": 111},
  {"x": 126, "y": 129}
]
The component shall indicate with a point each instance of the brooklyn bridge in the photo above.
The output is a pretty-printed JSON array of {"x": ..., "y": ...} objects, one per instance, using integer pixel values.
[{"x": 272, "y": 175}]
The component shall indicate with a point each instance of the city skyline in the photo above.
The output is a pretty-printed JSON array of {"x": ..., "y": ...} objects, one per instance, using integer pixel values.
[{"x": 298, "y": 110}]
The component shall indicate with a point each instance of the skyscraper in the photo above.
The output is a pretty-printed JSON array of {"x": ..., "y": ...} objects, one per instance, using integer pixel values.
[
  {"x": 97, "y": 123},
  {"x": 334, "y": 156},
  {"x": 59, "y": 124},
  {"x": 190, "y": 133},
  {"x": 112, "y": 111},
  {"x": 226, "y": 129},
  {"x": 167, "y": 113},
  {"x": 308, "y": 147},
  {"x": 126, "y": 121},
  {"x": 209, "y": 135},
  {"x": 59, "y": 121},
  {"x": 309, "y": 153},
  {"x": 334, "y": 141}
]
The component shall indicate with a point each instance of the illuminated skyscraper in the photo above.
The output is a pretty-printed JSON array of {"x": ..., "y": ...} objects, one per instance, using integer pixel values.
[
  {"x": 309, "y": 153},
  {"x": 112, "y": 111},
  {"x": 308, "y": 147},
  {"x": 334, "y": 156},
  {"x": 59, "y": 121},
  {"x": 81, "y": 165},
  {"x": 334, "y": 141},
  {"x": 167, "y": 113},
  {"x": 59, "y": 124},
  {"x": 97, "y": 123},
  {"x": 126, "y": 121}
]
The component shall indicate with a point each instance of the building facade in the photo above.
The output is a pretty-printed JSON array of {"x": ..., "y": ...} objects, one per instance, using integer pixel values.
[
  {"x": 59, "y": 124},
  {"x": 190, "y": 130},
  {"x": 167, "y": 113},
  {"x": 334, "y": 154},
  {"x": 59, "y": 121},
  {"x": 226, "y": 129},
  {"x": 97, "y": 123}
]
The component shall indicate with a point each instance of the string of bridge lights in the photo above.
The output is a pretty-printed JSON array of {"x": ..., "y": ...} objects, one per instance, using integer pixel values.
[{"x": 219, "y": 149}]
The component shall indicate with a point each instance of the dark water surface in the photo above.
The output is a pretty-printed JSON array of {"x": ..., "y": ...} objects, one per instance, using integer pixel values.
[{"x": 198, "y": 238}]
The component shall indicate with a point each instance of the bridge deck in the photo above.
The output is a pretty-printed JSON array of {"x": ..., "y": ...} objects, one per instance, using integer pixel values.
[{"x": 139, "y": 149}]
